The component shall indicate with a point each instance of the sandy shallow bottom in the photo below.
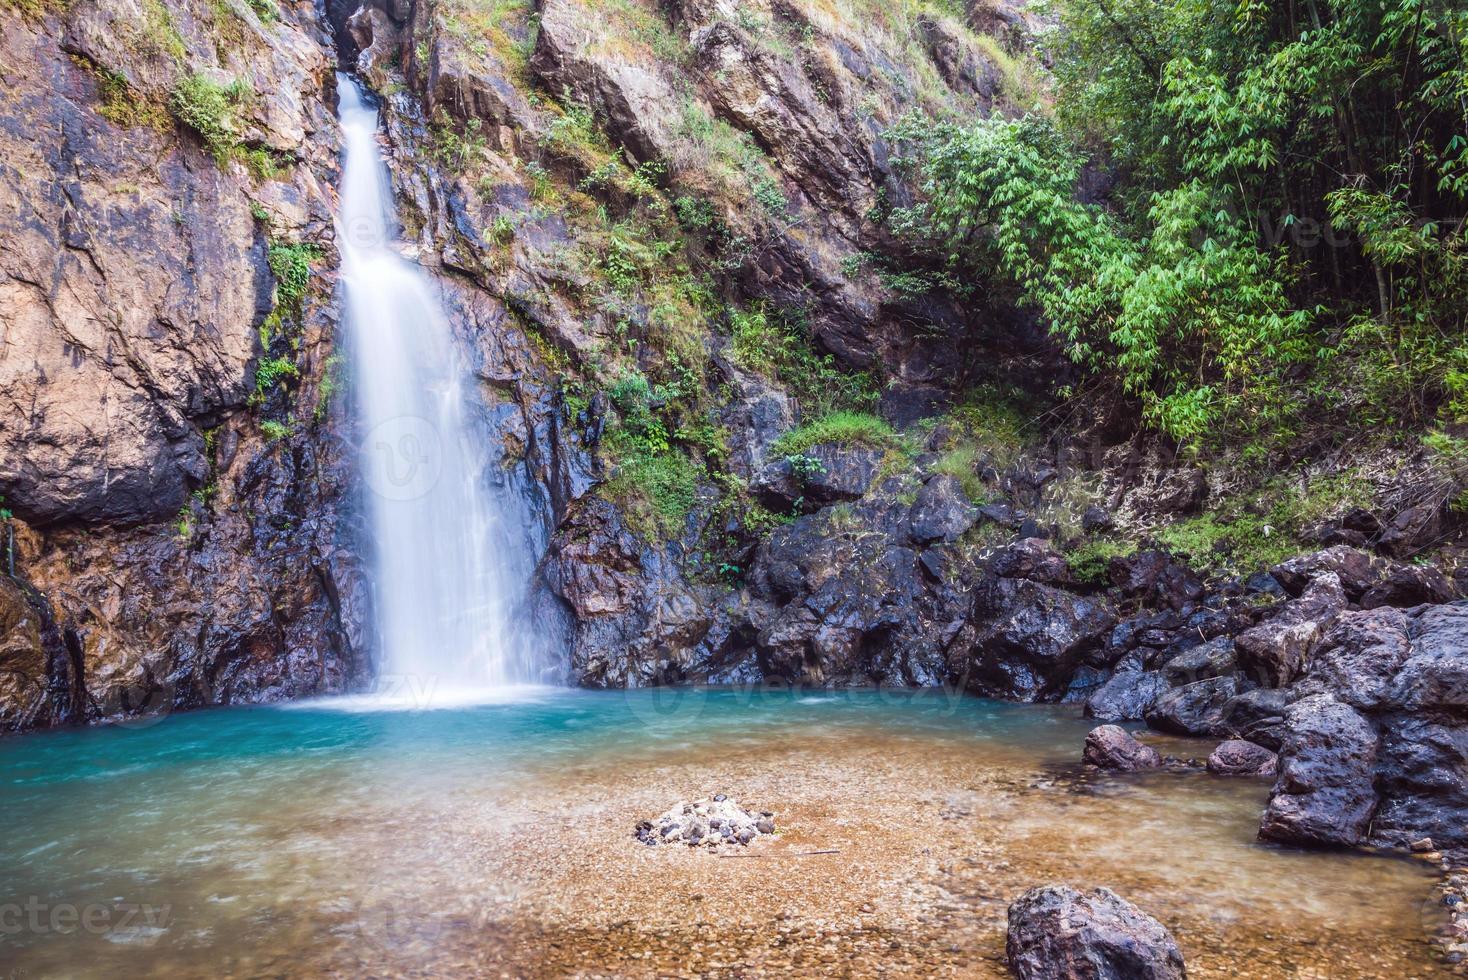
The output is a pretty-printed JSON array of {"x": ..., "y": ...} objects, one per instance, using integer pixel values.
[
  {"x": 900, "y": 860},
  {"x": 897, "y": 856}
]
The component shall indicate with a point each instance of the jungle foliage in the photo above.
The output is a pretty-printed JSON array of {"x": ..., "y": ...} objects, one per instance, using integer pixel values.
[{"x": 1282, "y": 243}]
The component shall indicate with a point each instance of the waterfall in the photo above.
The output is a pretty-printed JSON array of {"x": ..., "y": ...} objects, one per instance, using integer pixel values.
[{"x": 442, "y": 547}]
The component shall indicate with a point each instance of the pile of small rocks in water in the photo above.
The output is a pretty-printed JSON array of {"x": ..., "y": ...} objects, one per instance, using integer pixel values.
[{"x": 707, "y": 823}]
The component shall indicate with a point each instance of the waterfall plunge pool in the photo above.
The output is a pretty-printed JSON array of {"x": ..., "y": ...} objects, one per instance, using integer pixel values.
[{"x": 499, "y": 839}]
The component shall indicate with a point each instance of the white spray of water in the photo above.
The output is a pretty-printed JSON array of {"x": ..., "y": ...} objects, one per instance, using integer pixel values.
[{"x": 443, "y": 601}]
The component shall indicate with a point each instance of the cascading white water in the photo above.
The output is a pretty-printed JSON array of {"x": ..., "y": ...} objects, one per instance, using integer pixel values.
[{"x": 442, "y": 595}]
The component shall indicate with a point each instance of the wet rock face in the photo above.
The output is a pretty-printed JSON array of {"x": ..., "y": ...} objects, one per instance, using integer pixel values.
[
  {"x": 1034, "y": 638},
  {"x": 171, "y": 553},
  {"x": 1324, "y": 795},
  {"x": 1058, "y": 933},
  {"x": 1127, "y": 696},
  {"x": 636, "y": 623},
  {"x": 25, "y": 660},
  {"x": 708, "y": 822},
  {"x": 841, "y": 599},
  {"x": 1112, "y": 747},
  {"x": 128, "y": 330}
]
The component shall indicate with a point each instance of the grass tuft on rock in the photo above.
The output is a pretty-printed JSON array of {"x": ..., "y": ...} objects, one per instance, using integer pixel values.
[{"x": 846, "y": 428}]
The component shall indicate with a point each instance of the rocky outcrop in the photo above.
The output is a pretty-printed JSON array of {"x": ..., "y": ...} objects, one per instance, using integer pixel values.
[
  {"x": 182, "y": 527},
  {"x": 1112, "y": 747},
  {"x": 809, "y": 158},
  {"x": 1324, "y": 794},
  {"x": 1275, "y": 652},
  {"x": 852, "y": 606},
  {"x": 636, "y": 622},
  {"x": 1376, "y": 732},
  {"x": 1033, "y": 638},
  {"x": 1058, "y": 933}
]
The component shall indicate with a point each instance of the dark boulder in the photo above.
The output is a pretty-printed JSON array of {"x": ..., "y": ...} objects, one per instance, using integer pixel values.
[
  {"x": 1128, "y": 635},
  {"x": 1216, "y": 658},
  {"x": 1031, "y": 558},
  {"x": 1410, "y": 531},
  {"x": 825, "y": 474},
  {"x": 1237, "y": 757},
  {"x": 1356, "y": 570},
  {"x": 1111, "y": 747},
  {"x": 941, "y": 512},
  {"x": 1359, "y": 657},
  {"x": 1324, "y": 794},
  {"x": 1434, "y": 679},
  {"x": 1256, "y": 715},
  {"x": 1030, "y": 640},
  {"x": 1194, "y": 709},
  {"x": 1127, "y": 696},
  {"x": 1420, "y": 774},
  {"x": 1096, "y": 519},
  {"x": 1408, "y": 585},
  {"x": 1275, "y": 652},
  {"x": 1154, "y": 577},
  {"x": 1002, "y": 514},
  {"x": 1362, "y": 521},
  {"x": 1058, "y": 933},
  {"x": 1264, "y": 584},
  {"x": 1085, "y": 682}
]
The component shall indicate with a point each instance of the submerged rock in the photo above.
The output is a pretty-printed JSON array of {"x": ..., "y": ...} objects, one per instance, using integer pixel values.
[
  {"x": 1058, "y": 933},
  {"x": 706, "y": 823},
  {"x": 1111, "y": 747}
]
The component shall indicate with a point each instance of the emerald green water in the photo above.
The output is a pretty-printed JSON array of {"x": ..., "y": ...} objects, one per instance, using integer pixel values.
[{"x": 260, "y": 841}]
